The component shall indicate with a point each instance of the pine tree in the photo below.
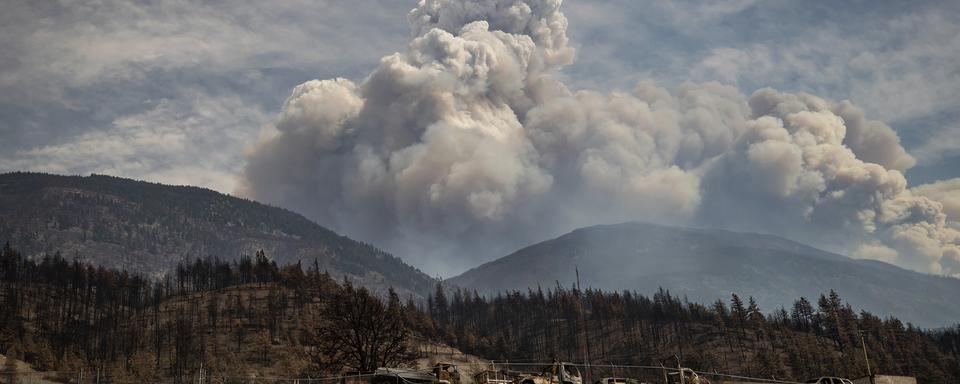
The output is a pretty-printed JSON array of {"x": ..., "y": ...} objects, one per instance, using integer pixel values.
[
  {"x": 442, "y": 314},
  {"x": 755, "y": 319}
]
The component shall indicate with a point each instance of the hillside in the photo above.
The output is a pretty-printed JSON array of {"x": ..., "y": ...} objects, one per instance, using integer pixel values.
[
  {"x": 270, "y": 322},
  {"x": 704, "y": 265},
  {"x": 238, "y": 325},
  {"x": 148, "y": 228}
]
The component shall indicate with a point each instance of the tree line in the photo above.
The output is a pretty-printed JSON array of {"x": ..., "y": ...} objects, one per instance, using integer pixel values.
[
  {"x": 238, "y": 319},
  {"x": 733, "y": 336},
  {"x": 253, "y": 317}
]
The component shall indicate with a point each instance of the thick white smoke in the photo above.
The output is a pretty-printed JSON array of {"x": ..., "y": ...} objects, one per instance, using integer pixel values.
[{"x": 466, "y": 146}]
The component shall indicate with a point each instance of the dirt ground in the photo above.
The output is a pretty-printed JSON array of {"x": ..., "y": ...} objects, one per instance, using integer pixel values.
[{"x": 24, "y": 373}]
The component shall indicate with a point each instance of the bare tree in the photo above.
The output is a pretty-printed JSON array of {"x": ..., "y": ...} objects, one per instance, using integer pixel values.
[{"x": 360, "y": 333}]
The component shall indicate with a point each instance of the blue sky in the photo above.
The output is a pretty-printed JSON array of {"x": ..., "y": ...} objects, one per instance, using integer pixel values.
[{"x": 175, "y": 91}]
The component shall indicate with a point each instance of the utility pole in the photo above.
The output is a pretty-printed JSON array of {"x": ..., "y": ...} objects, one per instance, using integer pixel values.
[
  {"x": 586, "y": 329},
  {"x": 865, "y": 357}
]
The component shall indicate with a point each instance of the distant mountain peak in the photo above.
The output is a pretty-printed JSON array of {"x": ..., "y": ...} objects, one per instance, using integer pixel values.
[{"x": 707, "y": 264}]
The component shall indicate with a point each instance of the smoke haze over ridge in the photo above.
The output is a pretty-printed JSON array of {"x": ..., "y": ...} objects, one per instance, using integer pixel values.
[{"x": 467, "y": 146}]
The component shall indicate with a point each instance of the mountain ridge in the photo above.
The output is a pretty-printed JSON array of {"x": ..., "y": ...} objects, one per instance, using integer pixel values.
[
  {"x": 149, "y": 227},
  {"x": 710, "y": 264}
]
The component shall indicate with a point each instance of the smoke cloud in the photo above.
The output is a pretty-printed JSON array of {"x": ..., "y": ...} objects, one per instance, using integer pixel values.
[{"x": 467, "y": 146}]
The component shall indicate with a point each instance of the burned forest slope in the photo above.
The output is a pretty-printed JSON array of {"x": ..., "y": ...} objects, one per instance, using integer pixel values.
[{"x": 148, "y": 228}]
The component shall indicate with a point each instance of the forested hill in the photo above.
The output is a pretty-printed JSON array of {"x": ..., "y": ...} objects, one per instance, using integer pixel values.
[
  {"x": 251, "y": 319},
  {"x": 148, "y": 228},
  {"x": 704, "y": 265}
]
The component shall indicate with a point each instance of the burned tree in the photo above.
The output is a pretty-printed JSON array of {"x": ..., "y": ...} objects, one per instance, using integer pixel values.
[{"x": 359, "y": 333}]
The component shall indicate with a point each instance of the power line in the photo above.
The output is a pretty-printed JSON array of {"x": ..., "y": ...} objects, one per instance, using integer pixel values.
[{"x": 494, "y": 364}]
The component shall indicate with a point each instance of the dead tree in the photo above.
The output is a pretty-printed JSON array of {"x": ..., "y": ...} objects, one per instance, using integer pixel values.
[{"x": 359, "y": 333}]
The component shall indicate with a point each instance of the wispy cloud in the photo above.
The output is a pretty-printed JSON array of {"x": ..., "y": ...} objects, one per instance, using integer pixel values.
[
  {"x": 172, "y": 90},
  {"x": 190, "y": 139},
  {"x": 941, "y": 145}
]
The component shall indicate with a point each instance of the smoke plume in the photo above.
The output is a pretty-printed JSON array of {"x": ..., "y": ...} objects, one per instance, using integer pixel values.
[{"x": 466, "y": 146}]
